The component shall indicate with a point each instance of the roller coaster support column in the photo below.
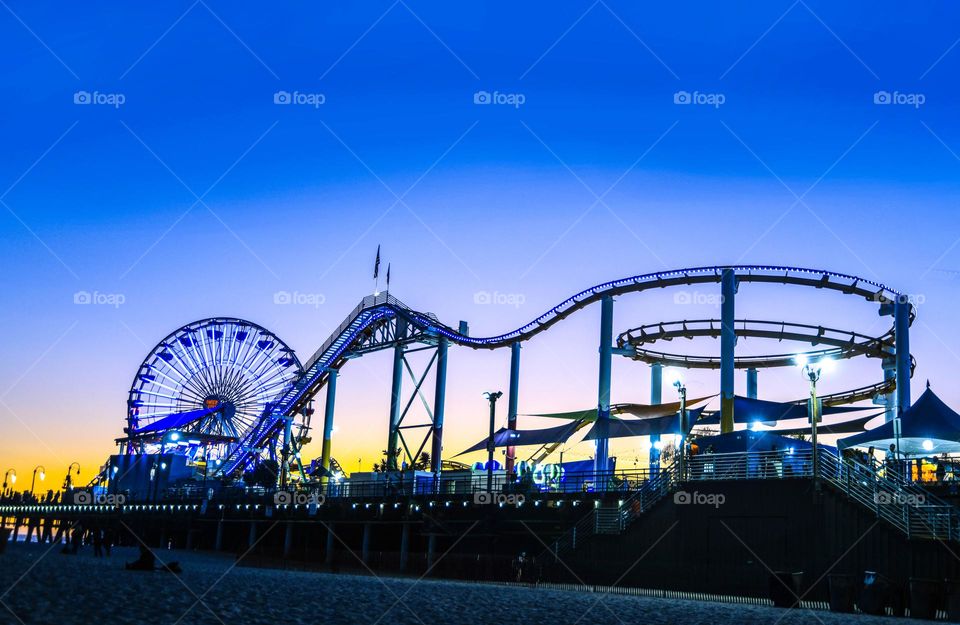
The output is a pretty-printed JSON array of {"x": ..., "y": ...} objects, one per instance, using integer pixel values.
[
  {"x": 889, "y": 401},
  {"x": 512, "y": 402},
  {"x": 395, "y": 398},
  {"x": 439, "y": 402},
  {"x": 728, "y": 343},
  {"x": 328, "y": 424},
  {"x": 656, "y": 397},
  {"x": 752, "y": 383},
  {"x": 287, "y": 440},
  {"x": 606, "y": 361},
  {"x": 901, "y": 316}
]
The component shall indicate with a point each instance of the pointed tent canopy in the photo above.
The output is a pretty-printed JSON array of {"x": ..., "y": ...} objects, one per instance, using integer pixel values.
[
  {"x": 625, "y": 428},
  {"x": 746, "y": 410},
  {"x": 635, "y": 410},
  {"x": 928, "y": 427},
  {"x": 517, "y": 438}
]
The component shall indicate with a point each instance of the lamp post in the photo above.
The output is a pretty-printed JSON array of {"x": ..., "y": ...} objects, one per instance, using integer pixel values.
[
  {"x": 12, "y": 479},
  {"x": 68, "y": 481},
  {"x": 492, "y": 397},
  {"x": 812, "y": 372},
  {"x": 43, "y": 476},
  {"x": 682, "y": 390},
  {"x": 676, "y": 380}
]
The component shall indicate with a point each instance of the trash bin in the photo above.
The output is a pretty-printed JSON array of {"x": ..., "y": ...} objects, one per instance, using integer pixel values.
[
  {"x": 842, "y": 592},
  {"x": 4, "y": 537},
  {"x": 952, "y": 594},
  {"x": 875, "y": 594},
  {"x": 785, "y": 588},
  {"x": 924, "y": 597}
]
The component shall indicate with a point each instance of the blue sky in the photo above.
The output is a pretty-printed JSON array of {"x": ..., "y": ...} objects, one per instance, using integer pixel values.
[{"x": 198, "y": 195}]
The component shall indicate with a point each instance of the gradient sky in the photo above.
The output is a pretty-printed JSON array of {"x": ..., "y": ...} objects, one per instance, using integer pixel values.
[{"x": 199, "y": 196}]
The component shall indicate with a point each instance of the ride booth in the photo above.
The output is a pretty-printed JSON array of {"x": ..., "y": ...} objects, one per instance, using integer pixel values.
[{"x": 145, "y": 477}]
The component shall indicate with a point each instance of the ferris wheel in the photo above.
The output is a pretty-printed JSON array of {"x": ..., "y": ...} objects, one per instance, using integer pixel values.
[{"x": 204, "y": 387}]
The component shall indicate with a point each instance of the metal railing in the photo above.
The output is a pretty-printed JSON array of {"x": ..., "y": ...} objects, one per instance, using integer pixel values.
[
  {"x": 750, "y": 465},
  {"x": 894, "y": 499},
  {"x": 468, "y": 483}
]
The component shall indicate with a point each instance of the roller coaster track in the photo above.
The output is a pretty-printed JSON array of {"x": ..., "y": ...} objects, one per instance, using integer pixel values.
[
  {"x": 375, "y": 311},
  {"x": 843, "y": 344}
]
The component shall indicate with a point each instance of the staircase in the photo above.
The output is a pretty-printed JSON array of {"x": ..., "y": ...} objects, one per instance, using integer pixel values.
[
  {"x": 903, "y": 504},
  {"x": 894, "y": 499},
  {"x": 608, "y": 520}
]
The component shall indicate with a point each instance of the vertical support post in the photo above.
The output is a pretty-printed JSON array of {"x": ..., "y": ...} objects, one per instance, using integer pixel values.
[
  {"x": 602, "y": 448},
  {"x": 285, "y": 463},
  {"x": 395, "y": 399},
  {"x": 288, "y": 540},
  {"x": 251, "y": 535},
  {"x": 656, "y": 398},
  {"x": 328, "y": 424},
  {"x": 431, "y": 549},
  {"x": 728, "y": 343},
  {"x": 752, "y": 383},
  {"x": 365, "y": 543},
  {"x": 218, "y": 544},
  {"x": 514, "y": 394},
  {"x": 404, "y": 547},
  {"x": 890, "y": 399},
  {"x": 331, "y": 543},
  {"x": 901, "y": 315},
  {"x": 439, "y": 404}
]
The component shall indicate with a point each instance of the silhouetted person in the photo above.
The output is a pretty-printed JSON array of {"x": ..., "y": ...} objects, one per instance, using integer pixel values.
[
  {"x": 108, "y": 538},
  {"x": 97, "y": 542},
  {"x": 146, "y": 562}
]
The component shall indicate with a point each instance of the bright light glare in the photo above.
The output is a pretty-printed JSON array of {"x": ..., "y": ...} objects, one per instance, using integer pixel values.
[
  {"x": 801, "y": 360},
  {"x": 674, "y": 377},
  {"x": 928, "y": 445}
]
